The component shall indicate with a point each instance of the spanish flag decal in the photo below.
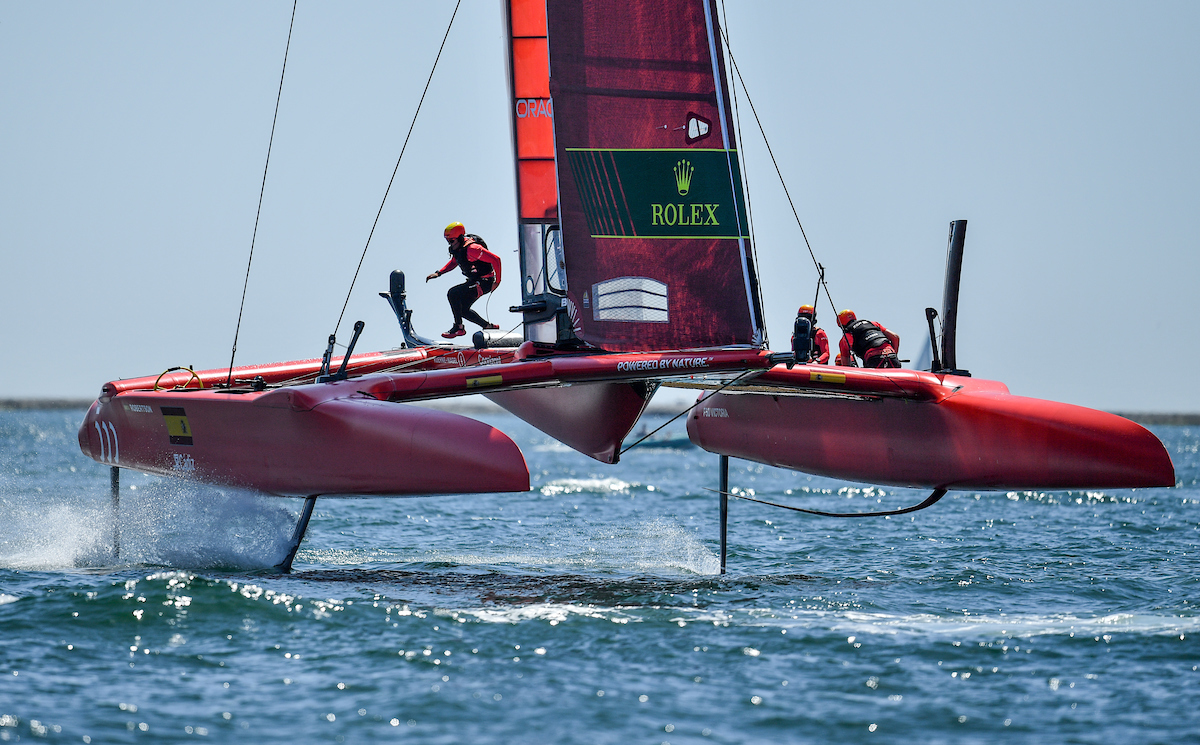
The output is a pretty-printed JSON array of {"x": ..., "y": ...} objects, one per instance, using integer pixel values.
[
  {"x": 826, "y": 377},
  {"x": 177, "y": 425},
  {"x": 485, "y": 381}
]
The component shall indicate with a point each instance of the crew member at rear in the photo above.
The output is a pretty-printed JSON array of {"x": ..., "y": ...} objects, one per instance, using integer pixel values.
[
  {"x": 820, "y": 348},
  {"x": 870, "y": 341},
  {"x": 480, "y": 266}
]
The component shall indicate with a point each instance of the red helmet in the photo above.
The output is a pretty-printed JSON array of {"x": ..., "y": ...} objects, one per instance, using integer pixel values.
[
  {"x": 807, "y": 310},
  {"x": 454, "y": 230},
  {"x": 846, "y": 317}
]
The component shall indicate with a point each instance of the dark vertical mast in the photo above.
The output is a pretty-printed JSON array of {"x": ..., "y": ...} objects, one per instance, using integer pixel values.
[{"x": 954, "y": 254}]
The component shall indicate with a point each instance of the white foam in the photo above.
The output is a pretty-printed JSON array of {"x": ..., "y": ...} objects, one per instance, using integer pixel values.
[
  {"x": 553, "y": 446},
  {"x": 990, "y": 626},
  {"x": 652, "y": 546},
  {"x": 347, "y": 557},
  {"x": 55, "y": 536},
  {"x": 593, "y": 486},
  {"x": 162, "y": 522},
  {"x": 555, "y": 613}
]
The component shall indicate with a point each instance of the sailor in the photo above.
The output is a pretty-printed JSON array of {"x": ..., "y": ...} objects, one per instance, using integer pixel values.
[
  {"x": 868, "y": 340},
  {"x": 820, "y": 351},
  {"x": 481, "y": 267}
]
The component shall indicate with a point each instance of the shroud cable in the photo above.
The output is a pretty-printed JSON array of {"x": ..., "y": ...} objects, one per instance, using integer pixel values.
[
  {"x": 262, "y": 190},
  {"x": 397, "y": 168}
]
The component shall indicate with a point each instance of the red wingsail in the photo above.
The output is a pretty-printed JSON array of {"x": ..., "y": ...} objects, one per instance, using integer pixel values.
[
  {"x": 654, "y": 231},
  {"x": 654, "y": 222}
]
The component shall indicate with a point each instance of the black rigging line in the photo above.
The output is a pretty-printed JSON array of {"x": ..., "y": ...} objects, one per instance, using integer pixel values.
[
  {"x": 397, "y": 168},
  {"x": 737, "y": 119},
  {"x": 929, "y": 501},
  {"x": 262, "y": 190},
  {"x": 779, "y": 172},
  {"x": 698, "y": 402}
]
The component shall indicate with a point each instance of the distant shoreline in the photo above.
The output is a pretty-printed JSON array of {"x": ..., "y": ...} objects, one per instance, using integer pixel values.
[
  {"x": 43, "y": 404},
  {"x": 483, "y": 406}
]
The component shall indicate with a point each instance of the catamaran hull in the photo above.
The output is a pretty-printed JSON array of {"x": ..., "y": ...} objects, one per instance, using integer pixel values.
[
  {"x": 288, "y": 446},
  {"x": 974, "y": 439}
]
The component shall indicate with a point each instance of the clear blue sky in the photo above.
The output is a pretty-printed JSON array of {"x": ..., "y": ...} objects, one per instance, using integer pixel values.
[{"x": 132, "y": 138}]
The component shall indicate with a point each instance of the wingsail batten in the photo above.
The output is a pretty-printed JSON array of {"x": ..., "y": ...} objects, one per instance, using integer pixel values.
[{"x": 648, "y": 185}]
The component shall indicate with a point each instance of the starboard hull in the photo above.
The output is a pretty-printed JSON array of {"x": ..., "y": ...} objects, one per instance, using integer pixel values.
[{"x": 978, "y": 436}]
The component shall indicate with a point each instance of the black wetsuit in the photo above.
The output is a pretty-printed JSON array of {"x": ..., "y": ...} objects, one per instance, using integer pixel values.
[{"x": 481, "y": 267}]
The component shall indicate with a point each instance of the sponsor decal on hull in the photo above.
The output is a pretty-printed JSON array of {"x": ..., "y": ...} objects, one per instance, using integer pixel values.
[
  {"x": 184, "y": 464},
  {"x": 178, "y": 428},
  {"x": 826, "y": 377},
  {"x": 110, "y": 449},
  {"x": 664, "y": 363},
  {"x": 485, "y": 381}
]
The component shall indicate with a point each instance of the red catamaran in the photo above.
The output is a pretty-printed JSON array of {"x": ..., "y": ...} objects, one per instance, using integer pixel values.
[{"x": 637, "y": 269}]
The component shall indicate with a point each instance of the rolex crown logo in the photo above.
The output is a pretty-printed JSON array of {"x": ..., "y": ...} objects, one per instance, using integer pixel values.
[{"x": 683, "y": 177}]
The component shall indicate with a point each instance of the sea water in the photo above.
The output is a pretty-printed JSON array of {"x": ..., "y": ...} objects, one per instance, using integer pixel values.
[{"x": 591, "y": 610}]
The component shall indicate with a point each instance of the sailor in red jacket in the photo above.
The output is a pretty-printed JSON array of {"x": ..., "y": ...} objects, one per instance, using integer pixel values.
[
  {"x": 481, "y": 267},
  {"x": 820, "y": 351},
  {"x": 877, "y": 346}
]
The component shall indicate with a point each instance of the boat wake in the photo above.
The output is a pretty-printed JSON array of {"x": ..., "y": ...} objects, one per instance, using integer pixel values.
[
  {"x": 654, "y": 546},
  {"x": 161, "y": 523},
  {"x": 1017, "y": 626},
  {"x": 54, "y": 536}
]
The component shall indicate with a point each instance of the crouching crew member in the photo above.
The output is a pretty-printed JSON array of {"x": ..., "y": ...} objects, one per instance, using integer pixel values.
[
  {"x": 481, "y": 267},
  {"x": 870, "y": 341},
  {"x": 820, "y": 348}
]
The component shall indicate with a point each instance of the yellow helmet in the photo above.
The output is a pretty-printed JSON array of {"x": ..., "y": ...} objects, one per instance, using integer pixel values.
[
  {"x": 454, "y": 230},
  {"x": 846, "y": 317}
]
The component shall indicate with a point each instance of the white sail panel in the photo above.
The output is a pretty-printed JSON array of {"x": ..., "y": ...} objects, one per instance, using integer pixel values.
[{"x": 630, "y": 299}]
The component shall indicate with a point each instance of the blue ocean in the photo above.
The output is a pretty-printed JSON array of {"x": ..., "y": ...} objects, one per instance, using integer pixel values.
[{"x": 591, "y": 610}]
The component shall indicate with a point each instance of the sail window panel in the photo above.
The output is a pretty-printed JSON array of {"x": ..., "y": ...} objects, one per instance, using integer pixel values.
[
  {"x": 528, "y": 17},
  {"x": 535, "y": 130},
  {"x": 630, "y": 299},
  {"x": 538, "y": 189},
  {"x": 555, "y": 262},
  {"x": 531, "y": 68},
  {"x": 634, "y": 314}
]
